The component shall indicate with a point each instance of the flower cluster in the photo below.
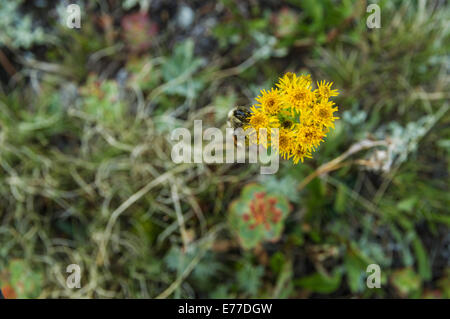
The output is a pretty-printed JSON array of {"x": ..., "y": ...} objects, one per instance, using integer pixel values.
[{"x": 302, "y": 115}]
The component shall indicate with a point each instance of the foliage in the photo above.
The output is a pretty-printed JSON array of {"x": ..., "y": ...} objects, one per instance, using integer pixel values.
[
  {"x": 182, "y": 65},
  {"x": 19, "y": 281},
  {"x": 18, "y": 30},
  {"x": 138, "y": 31},
  {"x": 102, "y": 100},
  {"x": 86, "y": 174},
  {"x": 258, "y": 216}
]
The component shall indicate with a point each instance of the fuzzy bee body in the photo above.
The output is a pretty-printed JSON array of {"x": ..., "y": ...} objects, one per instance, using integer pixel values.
[{"x": 238, "y": 117}]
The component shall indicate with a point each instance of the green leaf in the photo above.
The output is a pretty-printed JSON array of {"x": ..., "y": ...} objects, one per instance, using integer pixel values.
[
  {"x": 284, "y": 284},
  {"x": 286, "y": 185},
  {"x": 249, "y": 278},
  {"x": 423, "y": 263},
  {"x": 314, "y": 9},
  {"x": 445, "y": 144},
  {"x": 320, "y": 283},
  {"x": 406, "y": 281},
  {"x": 341, "y": 198},
  {"x": 356, "y": 272},
  {"x": 407, "y": 204},
  {"x": 178, "y": 71},
  {"x": 277, "y": 261}
]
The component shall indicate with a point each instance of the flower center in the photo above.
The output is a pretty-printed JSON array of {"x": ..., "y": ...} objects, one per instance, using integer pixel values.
[
  {"x": 325, "y": 91},
  {"x": 258, "y": 120},
  {"x": 299, "y": 95},
  {"x": 287, "y": 124},
  {"x": 300, "y": 151},
  {"x": 283, "y": 141},
  {"x": 323, "y": 113}
]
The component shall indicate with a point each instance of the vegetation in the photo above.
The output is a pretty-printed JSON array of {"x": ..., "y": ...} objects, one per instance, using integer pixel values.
[{"x": 86, "y": 175}]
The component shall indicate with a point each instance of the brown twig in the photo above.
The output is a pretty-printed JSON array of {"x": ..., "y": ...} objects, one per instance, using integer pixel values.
[
  {"x": 6, "y": 64},
  {"x": 337, "y": 162}
]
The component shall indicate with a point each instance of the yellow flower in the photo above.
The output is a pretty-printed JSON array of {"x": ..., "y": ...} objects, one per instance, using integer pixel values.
[
  {"x": 270, "y": 101},
  {"x": 324, "y": 91},
  {"x": 309, "y": 136},
  {"x": 285, "y": 143},
  {"x": 304, "y": 80},
  {"x": 290, "y": 80},
  {"x": 299, "y": 98},
  {"x": 323, "y": 113},
  {"x": 298, "y": 95},
  {"x": 260, "y": 120},
  {"x": 286, "y": 81},
  {"x": 300, "y": 153}
]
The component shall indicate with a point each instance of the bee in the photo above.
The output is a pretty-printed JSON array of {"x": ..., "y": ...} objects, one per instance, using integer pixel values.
[{"x": 238, "y": 117}]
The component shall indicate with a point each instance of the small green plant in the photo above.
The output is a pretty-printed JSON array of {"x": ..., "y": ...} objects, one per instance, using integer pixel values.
[
  {"x": 18, "y": 280},
  {"x": 178, "y": 71},
  {"x": 258, "y": 216},
  {"x": 406, "y": 282},
  {"x": 101, "y": 100},
  {"x": 18, "y": 30}
]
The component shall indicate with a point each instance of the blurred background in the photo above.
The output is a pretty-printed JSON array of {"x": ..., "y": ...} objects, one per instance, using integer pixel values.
[{"x": 86, "y": 175}]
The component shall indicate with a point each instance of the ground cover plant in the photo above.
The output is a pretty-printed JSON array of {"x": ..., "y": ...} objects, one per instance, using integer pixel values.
[{"x": 86, "y": 175}]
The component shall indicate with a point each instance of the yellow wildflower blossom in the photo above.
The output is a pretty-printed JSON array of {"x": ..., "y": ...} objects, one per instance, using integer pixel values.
[
  {"x": 290, "y": 80},
  {"x": 270, "y": 101},
  {"x": 285, "y": 143},
  {"x": 324, "y": 91},
  {"x": 309, "y": 136},
  {"x": 260, "y": 120},
  {"x": 300, "y": 153},
  {"x": 299, "y": 99},
  {"x": 322, "y": 113}
]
